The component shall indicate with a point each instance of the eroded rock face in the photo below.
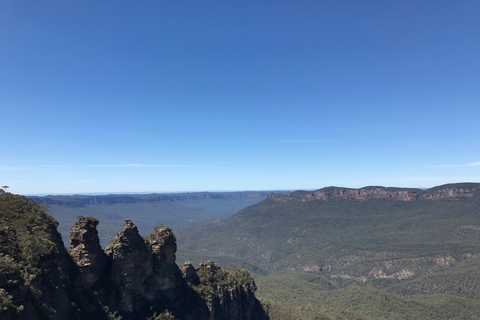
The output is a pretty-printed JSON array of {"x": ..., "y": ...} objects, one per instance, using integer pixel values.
[
  {"x": 131, "y": 268},
  {"x": 140, "y": 277},
  {"x": 190, "y": 274},
  {"x": 232, "y": 295},
  {"x": 87, "y": 252},
  {"x": 163, "y": 246},
  {"x": 452, "y": 191},
  {"x": 466, "y": 190}
]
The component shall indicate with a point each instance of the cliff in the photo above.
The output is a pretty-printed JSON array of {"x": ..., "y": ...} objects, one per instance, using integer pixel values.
[
  {"x": 135, "y": 278},
  {"x": 448, "y": 191}
]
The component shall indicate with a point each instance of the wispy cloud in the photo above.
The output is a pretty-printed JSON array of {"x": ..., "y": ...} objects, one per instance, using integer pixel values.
[
  {"x": 473, "y": 164},
  {"x": 127, "y": 165},
  {"x": 306, "y": 140},
  {"x": 140, "y": 165}
]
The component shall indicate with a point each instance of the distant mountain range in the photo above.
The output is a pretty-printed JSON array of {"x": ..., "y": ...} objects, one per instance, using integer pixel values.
[{"x": 147, "y": 210}]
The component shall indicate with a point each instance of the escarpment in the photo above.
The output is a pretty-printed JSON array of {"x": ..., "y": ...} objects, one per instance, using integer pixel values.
[
  {"x": 134, "y": 278},
  {"x": 448, "y": 191}
]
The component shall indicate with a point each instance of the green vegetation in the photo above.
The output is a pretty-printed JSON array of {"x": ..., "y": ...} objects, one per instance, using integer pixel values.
[
  {"x": 215, "y": 280},
  {"x": 25, "y": 234},
  {"x": 276, "y": 311},
  {"x": 377, "y": 258},
  {"x": 166, "y": 315},
  {"x": 367, "y": 302},
  {"x": 27, "y": 238},
  {"x": 317, "y": 235}
]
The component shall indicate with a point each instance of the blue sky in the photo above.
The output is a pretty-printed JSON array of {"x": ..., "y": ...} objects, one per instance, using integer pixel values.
[{"x": 143, "y": 96}]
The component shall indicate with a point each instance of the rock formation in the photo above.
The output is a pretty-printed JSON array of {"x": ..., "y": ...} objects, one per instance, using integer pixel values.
[
  {"x": 135, "y": 278},
  {"x": 87, "y": 251},
  {"x": 131, "y": 270},
  {"x": 141, "y": 278},
  {"x": 230, "y": 294}
]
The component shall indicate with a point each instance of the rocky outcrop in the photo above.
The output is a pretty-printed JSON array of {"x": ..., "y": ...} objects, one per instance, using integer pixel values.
[
  {"x": 131, "y": 270},
  {"x": 135, "y": 278},
  {"x": 230, "y": 294},
  {"x": 451, "y": 191},
  {"x": 168, "y": 278},
  {"x": 190, "y": 274},
  {"x": 142, "y": 278},
  {"x": 87, "y": 252}
]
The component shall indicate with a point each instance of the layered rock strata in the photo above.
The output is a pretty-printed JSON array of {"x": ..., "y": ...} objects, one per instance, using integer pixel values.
[{"x": 449, "y": 191}]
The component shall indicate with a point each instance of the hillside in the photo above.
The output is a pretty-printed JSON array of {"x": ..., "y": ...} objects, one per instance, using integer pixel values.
[
  {"x": 403, "y": 242},
  {"x": 173, "y": 209}
]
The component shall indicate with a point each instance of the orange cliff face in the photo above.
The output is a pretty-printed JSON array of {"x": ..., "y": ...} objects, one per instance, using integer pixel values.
[{"x": 453, "y": 191}]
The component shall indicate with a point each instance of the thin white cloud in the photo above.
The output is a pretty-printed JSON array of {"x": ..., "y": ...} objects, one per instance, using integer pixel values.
[
  {"x": 473, "y": 164},
  {"x": 306, "y": 140},
  {"x": 140, "y": 165},
  {"x": 127, "y": 165}
]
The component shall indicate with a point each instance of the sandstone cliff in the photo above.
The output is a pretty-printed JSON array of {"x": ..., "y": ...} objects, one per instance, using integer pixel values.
[{"x": 449, "y": 191}]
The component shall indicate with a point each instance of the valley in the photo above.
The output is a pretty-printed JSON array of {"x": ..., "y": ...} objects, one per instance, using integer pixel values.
[
  {"x": 333, "y": 253},
  {"x": 336, "y": 246},
  {"x": 147, "y": 210}
]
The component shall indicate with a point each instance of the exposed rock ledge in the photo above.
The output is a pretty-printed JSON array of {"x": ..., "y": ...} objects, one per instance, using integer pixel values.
[{"x": 450, "y": 191}]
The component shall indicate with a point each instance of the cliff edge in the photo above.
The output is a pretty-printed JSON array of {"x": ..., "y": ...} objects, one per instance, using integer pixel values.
[{"x": 448, "y": 191}]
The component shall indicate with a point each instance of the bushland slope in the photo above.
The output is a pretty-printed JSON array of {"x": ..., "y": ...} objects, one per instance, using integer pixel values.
[{"x": 404, "y": 242}]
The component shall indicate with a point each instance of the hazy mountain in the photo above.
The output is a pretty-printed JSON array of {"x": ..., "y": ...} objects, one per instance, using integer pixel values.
[{"x": 147, "y": 210}]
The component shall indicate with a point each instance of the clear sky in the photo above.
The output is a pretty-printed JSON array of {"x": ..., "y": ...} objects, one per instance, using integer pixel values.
[{"x": 163, "y": 95}]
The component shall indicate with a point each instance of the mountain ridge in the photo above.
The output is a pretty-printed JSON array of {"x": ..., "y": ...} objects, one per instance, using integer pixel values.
[
  {"x": 84, "y": 200},
  {"x": 453, "y": 191}
]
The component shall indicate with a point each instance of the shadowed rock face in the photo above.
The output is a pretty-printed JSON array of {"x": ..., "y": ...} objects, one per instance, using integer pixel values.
[
  {"x": 232, "y": 294},
  {"x": 141, "y": 276},
  {"x": 190, "y": 274},
  {"x": 131, "y": 268},
  {"x": 163, "y": 246}
]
